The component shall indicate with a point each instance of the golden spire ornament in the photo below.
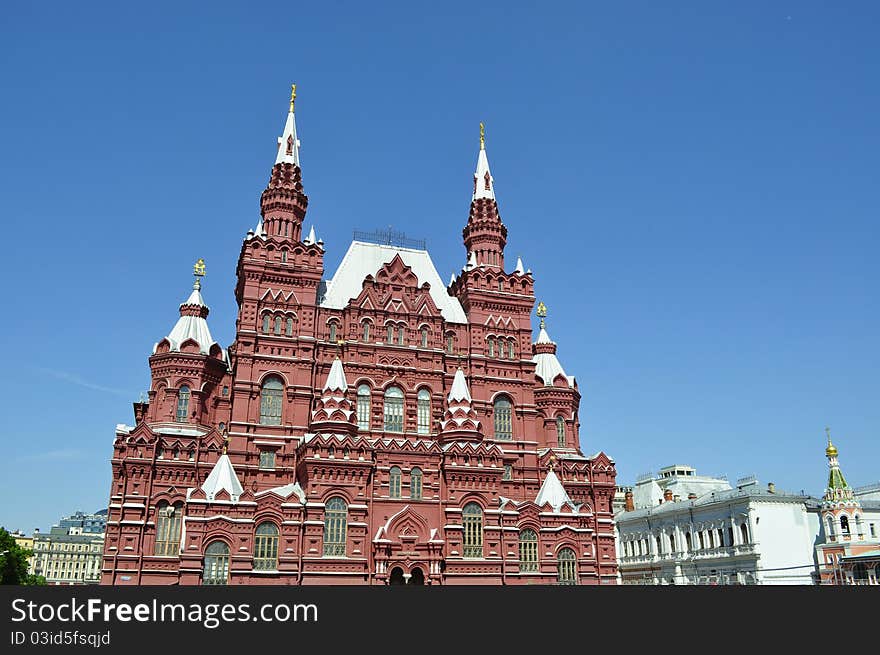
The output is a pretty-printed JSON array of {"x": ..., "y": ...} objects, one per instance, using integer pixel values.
[
  {"x": 292, "y": 96},
  {"x": 199, "y": 271},
  {"x": 482, "y": 137},
  {"x": 542, "y": 313}
]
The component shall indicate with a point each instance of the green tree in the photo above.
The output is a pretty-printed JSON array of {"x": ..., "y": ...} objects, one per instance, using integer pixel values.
[{"x": 14, "y": 564}]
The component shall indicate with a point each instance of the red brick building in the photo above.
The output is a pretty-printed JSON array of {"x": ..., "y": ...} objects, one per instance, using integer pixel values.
[{"x": 373, "y": 427}]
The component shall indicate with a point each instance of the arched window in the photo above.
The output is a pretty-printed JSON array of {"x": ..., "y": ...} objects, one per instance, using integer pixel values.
[
  {"x": 844, "y": 521},
  {"x": 567, "y": 564},
  {"x": 335, "y": 527},
  {"x": 491, "y": 347},
  {"x": 168, "y": 529},
  {"x": 266, "y": 320},
  {"x": 183, "y": 404},
  {"x": 424, "y": 337},
  {"x": 502, "y": 353},
  {"x": 363, "y": 406},
  {"x": 560, "y": 432},
  {"x": 659, "y": 545},
  {"x": 394, "y": 479},
  {"x": 401, "y": 334},
  {"x": 472, "y": 522},
  {"x": 503, "y": 419},
  {"x": 366, "y": 332},
  {"x": 390, "y": 334},
  {"x": 511, "y": 349},
  {"x": 393, "y": 410},
  {"x": 528, "y": 551},
  {"x": 415, "y": 483},
  {"x": 744, "y": 532},
  {"x": 702, "y": 542},
  {"x": 424, "y": 411},
  {"x": 671, "y": 543},
  {"x": 830, "y": 527},
  {"x": 500, "y": 282},
  {"x": 266, "y": 547},
  {"x": 289, "y": 327},
  {"x": 332, "y": 330},
  {"x": 216, "y": 570},
  {"x": 450, "y": 343},
  {"x": 687, "y": 541},
  {"x": 270, "y": 401},
  {"x": 278, "y": 325}
]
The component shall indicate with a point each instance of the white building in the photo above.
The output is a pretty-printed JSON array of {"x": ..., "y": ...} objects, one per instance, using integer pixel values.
[{"x": 689, "y": 529}]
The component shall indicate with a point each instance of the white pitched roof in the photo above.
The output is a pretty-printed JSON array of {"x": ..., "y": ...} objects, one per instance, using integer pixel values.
[
  {"x": 336, "y": 378},
  {"x": 222, "y": 476},
  {"x": 286, "y": 490},
  {"x": 480, "y": 176},
  {"x": 547, "y": 366},
  {"x": 363, "y": 259},
  {"x": 311, "y": 238},
  {"x": 553, "y": 492},
  {"x": 519, "y": 270},
  {"x": 191, "y": 327},
  {"x": 459, "y": 389},
  {"x": 289, "y": 132}
]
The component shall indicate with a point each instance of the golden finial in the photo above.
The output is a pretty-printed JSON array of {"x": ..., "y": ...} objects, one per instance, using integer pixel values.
[
  {"x": 542, "y": 313},
  {"x": 292, "y": 96},
  {"x": 482, "y": 137},
  {"x": 831, "y": 450},
  {"x": 225, "y": 440},
  {"x": 552, "y": 462},
  {"x": 199, "y": 268}
]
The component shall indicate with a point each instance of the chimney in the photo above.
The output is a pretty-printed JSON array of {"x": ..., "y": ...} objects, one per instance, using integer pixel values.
[
  {"x": 628, "y": 499},
  {"x": 667, "y": 495},
  {"x": 771, "y": 488}
]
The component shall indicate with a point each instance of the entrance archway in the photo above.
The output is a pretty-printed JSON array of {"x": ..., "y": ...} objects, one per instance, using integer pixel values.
[
  {"x": 418, "y": 576},
  {"x": 396, "y": 576}
]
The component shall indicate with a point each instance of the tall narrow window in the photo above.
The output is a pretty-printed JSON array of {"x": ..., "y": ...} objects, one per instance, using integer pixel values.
[
  {"x": 472, "y": 522},
  {"x": 183, "y": 404},
  {"x": 528, "y": 551},
  {"x": 503, "y": 419},
  {"x": 266, "y": 547},
  {"x": 508, "y": 472},
  {"x": 390, "y": 338},
  {"x": 394, "y": 479},
  {"x": 687, "y": 540},
  {"x": 393, "y": 410},
  {"x": 844, "y": 521},
  {"x": 216, "y": 570},
  {"x": 266, "y": 320},
  {"x": 288, "y": 330},
  {"x": 332, "y": 330},
  {"x": 424, "y": 411},
  {"x": 401, "y": 335},
  {"x": 450, "y": 343},
  {"x": 168, "y": 529},
  {"x": 567, "y": 563},
  {"x": 363, "y": 406},
  {"x": 500, "y": 283},
  {"x": 511, "y": 349},
  {"x": 491, "y": 347},
  {"x": 270, "y": 402},
  {"x": 501, "y": 351},
  {"x": 335, "y": 527},
  {"x": 277, "y": 325},
  {"x": 560, "y": 432},
  {"x": 744, "y": 532},
  {"x": 366, "y": 330},
  {"x": 415, "y": 483},
  {"x": 424, "y": 337}
]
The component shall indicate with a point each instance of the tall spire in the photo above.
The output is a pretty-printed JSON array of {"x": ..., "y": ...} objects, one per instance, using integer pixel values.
[
  {"x": 283, "y": 203},
  {"x": 485, "y": 235},
  {"x": 288, "y": 144},
  {"x": 460, "y": 422},
  {"x": 547, "y": 366},
  {"x": 837, "y": 486}
]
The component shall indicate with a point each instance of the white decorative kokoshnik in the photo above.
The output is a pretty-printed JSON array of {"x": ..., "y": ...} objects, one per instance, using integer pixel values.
[
  {"x": 223, "y": 476},
  {"x": 554, "y": 493},
  {"x": 192, "y": 323}
]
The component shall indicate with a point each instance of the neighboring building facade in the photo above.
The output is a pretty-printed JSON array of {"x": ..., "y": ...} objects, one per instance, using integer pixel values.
[
  {"x": 24, "y": 541},
  {"x": 848, "y": 547},
  {"x": 702, "y": 531},
  {"x": 87, "y": 523},
  {"x": 376, "y": 427},
  {"x": 67, "y": 555}
]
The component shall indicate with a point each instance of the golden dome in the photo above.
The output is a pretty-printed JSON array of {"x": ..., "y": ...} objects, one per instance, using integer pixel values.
[{"x": 831, "y": 451}]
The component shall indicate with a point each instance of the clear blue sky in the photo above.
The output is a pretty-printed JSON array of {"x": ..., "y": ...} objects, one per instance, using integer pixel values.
[{"x": 694, "y": 185}]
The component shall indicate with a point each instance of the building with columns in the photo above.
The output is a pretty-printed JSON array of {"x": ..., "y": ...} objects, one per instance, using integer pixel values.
[
  {"x": 681, "y": 528},
  {"x": 373, "y": 426},
  {"x": 848, "y": 547}
]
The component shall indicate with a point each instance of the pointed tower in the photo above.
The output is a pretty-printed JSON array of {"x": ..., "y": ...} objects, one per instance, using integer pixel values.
[
  {"x": 460, "y": 421},
  {"x": 485, "y": 235},
  {"x": 283, "y": 203},
  {"x": 556, "y": 393},
  {"x": 553, "y": 493},
  {"x": 839, "y": 504},
  {"x": 187, "y": 365},
  {"x": 334, "y": 412}
]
